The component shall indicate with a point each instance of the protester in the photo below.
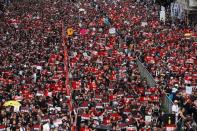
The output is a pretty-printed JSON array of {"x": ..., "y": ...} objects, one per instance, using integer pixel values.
[{"x": 72, "y": 65}]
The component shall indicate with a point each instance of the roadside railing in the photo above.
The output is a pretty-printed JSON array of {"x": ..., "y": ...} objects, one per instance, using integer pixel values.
[{"x": 166, "y": 101}]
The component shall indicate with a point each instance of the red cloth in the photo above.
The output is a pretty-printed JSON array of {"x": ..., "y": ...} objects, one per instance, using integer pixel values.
[
  {"x": 76, "y": 85},
  {"x": 106, "y": 121},
  {"x": 36, "y": 127},
  {"x": 92, "y": 85},
  {"x": 150, "y": 59},
  {"x": 144, "y": 99},
  {"x": 85, "y": 116},
  {"x": 154, "y": 98},
  {"x": 116, "y": 115},
  {"x": 84, "y": 129},
  {"x": 2, "y": 127}
]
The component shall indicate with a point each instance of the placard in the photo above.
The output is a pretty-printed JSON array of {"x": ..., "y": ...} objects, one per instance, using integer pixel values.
[
  {"x": 148, "y": 118},
  {"x": 112, "y": 30},
  {"x": 162, "y": 16},
  {"x": 143, "y": 24},
  {"x": 188, "y": 90}
]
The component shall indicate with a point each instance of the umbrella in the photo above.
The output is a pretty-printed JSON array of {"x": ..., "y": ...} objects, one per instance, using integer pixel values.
[{"x": 12, "y": 103}]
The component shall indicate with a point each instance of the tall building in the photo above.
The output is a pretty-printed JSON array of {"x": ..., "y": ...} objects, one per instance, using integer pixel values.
[{"x": 190, "y": 9}]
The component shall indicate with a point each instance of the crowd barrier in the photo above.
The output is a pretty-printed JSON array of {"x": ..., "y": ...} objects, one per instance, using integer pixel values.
[{"x": 145, "y": 74}]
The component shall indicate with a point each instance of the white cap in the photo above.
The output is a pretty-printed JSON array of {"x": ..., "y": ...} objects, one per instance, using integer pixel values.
[
  {"x": 174, "y": 90},
  {"x": 176, "y": 85}
]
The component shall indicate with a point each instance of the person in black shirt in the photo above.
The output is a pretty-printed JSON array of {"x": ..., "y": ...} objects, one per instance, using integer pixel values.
[
  {"x": 160, "y": 120},
  {"x": 181, "y": 119},
  {"x": 2, "y": 9},
  {"x": 194, "y": 116},
  {"x": 188, "y": 107}
]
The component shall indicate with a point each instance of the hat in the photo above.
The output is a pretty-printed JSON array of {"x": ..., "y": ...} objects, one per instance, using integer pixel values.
[
  {"x": 175, "y": 101},
  {"x": 174, "y": 90},
  {"x": 176, "y": 85}
]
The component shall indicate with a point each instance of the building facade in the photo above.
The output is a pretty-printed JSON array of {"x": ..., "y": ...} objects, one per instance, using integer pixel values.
[{"x": 190, "y": 9}]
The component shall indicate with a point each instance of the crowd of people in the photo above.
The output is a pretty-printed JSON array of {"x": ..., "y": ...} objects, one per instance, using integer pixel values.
[
  {"x": 32, "y": 67},
  {"x": 72, "y": 66},
  {"x": 168, "y": 50}
]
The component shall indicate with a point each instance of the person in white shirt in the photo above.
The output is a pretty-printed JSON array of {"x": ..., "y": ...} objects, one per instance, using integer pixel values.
[
  {"x": 175, "y": 109},
  {"x": 34, "y": 77},
  {"x": 46, "y": 127}
]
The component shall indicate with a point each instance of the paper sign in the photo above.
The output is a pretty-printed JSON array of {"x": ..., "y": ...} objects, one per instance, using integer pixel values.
[
  {"x": 188, "y": 89},
  {"x": 162, "y": 16},
  {"x": 187, "y": 34},
  {"x": 57, "y": 122},
  {"x": 85, "y": 54},
  {"x": 144, "y": 24},
  {"x": 16, "y": 109},
  {"x": 112, "y": 30},
  {"x": 81, "y": 9},
  {"x": 147, "y": 118},
  {"x": 39, "y": 67}
]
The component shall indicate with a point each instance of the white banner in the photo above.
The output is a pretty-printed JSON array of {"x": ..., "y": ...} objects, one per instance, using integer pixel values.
[
  {"x": 188, "y": 90},
  {"x": 162, "y": 16},
  {"x": 192, "y": 3}
]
